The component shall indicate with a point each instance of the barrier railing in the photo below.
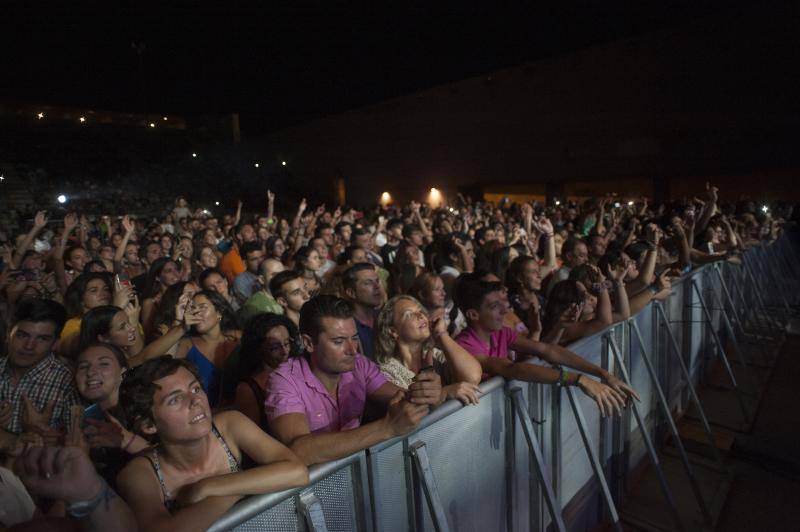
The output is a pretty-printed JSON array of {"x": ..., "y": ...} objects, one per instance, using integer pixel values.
[{"x": 531, "y": 456}]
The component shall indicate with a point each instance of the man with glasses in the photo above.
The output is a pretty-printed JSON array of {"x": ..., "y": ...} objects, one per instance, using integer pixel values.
[{"x": 574, "y": 253}]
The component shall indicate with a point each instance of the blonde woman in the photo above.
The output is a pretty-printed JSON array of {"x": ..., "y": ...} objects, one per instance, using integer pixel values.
[{"x": 409, "y": 341}]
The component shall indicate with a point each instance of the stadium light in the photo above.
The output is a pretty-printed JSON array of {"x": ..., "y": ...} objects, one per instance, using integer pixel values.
[
  {"x": 61, "y": 198},
  {"x": 256, "y": 165},
  {"x": 194, "y": 154},
  {"x": 40, "y": 116},
  {"x": 152, "y": 124},
  {"x": 283, "y": 163},
  {"x": 82, "y": 120}
]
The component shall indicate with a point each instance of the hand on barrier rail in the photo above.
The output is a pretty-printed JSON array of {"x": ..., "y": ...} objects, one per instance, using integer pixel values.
[
  {"x": 619, "y": 386},
  {"x": 426, "y": 389},
  {"x": 466, "y": 392},
  {"x": 607, "y": 398},
  {"x": 402, "y": 416}
]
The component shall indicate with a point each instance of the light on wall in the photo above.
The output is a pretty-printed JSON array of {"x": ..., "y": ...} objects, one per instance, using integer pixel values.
[
  {"x": 386, "y": 199},
  {"x": 434, "y": 197}
]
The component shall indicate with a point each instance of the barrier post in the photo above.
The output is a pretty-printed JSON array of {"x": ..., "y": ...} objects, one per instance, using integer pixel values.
[
  {"x": 651, "y": 450},
  {"x": 721, "y": 351},
  {"x": 771, "y": 322},
  {"x": 419, "y": 456},
  {"x": 662, "y": 401},
  {"x": 597, "y": 468},
  {"x": 311, "y": 509},
  {"x": 535, "y": 450},
  {"x": 736, "y": 317},
  {"x": 692, "y": 392}
]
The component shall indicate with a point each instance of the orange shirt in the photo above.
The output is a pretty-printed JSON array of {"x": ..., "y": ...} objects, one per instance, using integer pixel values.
[{"x": 231, "y": 264}]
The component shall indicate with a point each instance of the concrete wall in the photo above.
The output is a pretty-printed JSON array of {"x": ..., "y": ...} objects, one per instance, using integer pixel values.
[{"x": 713, "y": 98}]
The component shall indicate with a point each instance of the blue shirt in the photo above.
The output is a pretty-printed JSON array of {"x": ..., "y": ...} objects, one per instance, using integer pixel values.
[{"x": 366, "y": 335}]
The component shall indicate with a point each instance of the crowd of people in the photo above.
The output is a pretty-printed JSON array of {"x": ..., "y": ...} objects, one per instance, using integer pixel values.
[{"x": 156, "y": 371}]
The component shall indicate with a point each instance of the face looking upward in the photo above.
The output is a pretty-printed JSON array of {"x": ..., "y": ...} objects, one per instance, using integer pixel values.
[{"x": 180, "y": 408}]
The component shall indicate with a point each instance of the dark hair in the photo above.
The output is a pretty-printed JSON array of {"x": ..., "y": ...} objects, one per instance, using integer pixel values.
[
  {"x": 270, "y": 244},
  {"x": 70, "y": 249},
  {"x": 562, "y": 295},
  {"x": 346, "y": 255},
  {"x": 280, "y": 279},
  {"x": 40, "y": 310},
  {"x": 228, "y": 321},
  {"x": 122, "y": 360},
  {"x": 636, "y": 250},
  {"x": 247, "y": 248},
  {"x": 301, "y": 257},
  {"x": 569, "y": 246},
  {"x": 165, "y": 314},
  {"x": 394, "y": 222},
  {"x": 152, "y": 284},
  {"x": 73, "y": 298},
  {"x": 514, "y": 273},
  {"x": 499, "y": 261},
  {"x": 139, "y": 387},
  {"x": 342, "y": 225},
  {"x": 470, "y": 291},
  {"x": 88, "y": 267},
  {"x": 410, "y": 229},
  {"x": 585, "y": 274},
  {"x": 421, "y": 286},
  {"x": 404, "y": 270},
  {"x": 320, "y": 227},
  {"x": 205, "y": 274},
  {"x": 251, "y": 359},
  {"x": 96, "y": 322},
  {"x": 611, "y": 260},
  {"x": 323, "y": 306},
  {"x": 349, "y": 277}
]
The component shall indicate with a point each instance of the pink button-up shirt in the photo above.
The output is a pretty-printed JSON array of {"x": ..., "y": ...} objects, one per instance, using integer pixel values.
[
  {"x": 293, "y": 388},
  {"x": 498, "y": 346}
]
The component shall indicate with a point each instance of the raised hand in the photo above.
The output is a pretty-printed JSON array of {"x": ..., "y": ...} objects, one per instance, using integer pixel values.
[
  {"x": 70, "y": 221},
  {"x": 133, "y": 310},
  {"x": 40, "y": 220},
  {"x": 543, "y": 225},
  {"x": 320, "y": 211},
  {"x": 302, "y": 207},
  {"x": 270, "y": 196},
  {"x": 63, "y": 473},
  {"x": 712, "y": 193},
  {"x": 128, "y": 224}
]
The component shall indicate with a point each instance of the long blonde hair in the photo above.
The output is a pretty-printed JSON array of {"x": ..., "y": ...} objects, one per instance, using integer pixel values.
[{"x": 385, "y": 342}]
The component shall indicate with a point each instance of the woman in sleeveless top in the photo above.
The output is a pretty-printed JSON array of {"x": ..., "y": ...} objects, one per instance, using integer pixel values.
[
  {"x": 267, "y": 342},
  {"x": 192, "y": 475}
]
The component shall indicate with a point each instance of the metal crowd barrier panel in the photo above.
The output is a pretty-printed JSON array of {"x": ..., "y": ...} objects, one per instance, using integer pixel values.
[{"x": 534, "y": 456}]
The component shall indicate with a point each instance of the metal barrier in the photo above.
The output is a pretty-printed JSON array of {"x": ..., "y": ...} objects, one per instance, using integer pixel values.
[{"x": 532, "y": 456}]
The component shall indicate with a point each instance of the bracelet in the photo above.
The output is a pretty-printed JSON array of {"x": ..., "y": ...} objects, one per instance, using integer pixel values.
[
  {"x": 82, "y": 509},
  {"x": 127, "y": 445},
  {"x": 562, "y": 377}
]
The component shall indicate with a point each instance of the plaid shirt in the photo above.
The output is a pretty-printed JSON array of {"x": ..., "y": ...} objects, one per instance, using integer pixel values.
[{"x": 49, "y": 380}]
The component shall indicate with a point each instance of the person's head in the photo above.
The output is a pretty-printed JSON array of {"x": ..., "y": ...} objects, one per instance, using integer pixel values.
[
  {"x": 637, "y": 252},
  {"x": 597, "y": 247},
  {"x": 318, "y": 243},
  {"x": 289, "y": 290},
  {"x": 95, "y": 266},
  {"x": 362, "y": 286},
  {"x": 163, "y": 273},
  {"x": 106, "y": 252},
  {"x": 165, "y": 314},
  {"x": 32, "y": 260},
  {"x": 98, "y": 373},
  {"x": 402, "y": 321},
  {"x": 428, "y": 288},
  {"x": 329, "y": 334},
  {"x": 163, "y": 400},
  {"x": 344, "y": 230},
  {"x": 152, "y": 252},
  {"x": 484, "y": 235},
  {"x": 275, "y": 247},
  {"x": 523, "y": 274},
  {"x": 617, "y": 259},
  {"x": 564, "y": 304},
  {"x": 252, "y": 254},
  {"x": 132, "y": 254},
  {"x": 394, "y": 228},
  {"x": 166, "y": 243},
  {"x": 75, "y": 258},
  {"x": 245, "y": 233},
  {"x": 34, "y": 329},
  {"x": 574, "y": 252},
  {"x": 269, "y": 268},
  {"x": 187, "y": 247},
  {"x": 361, "y": 238},
  {"x": 587, "y": 276},
  {"x": 352, "y": 255},
  {"x": 87, "y": 291},
  {"x": 307, "y": 259},
  {"x": 412, "y": 233},
  {"x": 208, "y": 257},
  {"x": 267, "y": 341},
  {"x": 484, "y": 303},
  {"x": 213, "y": 311},
  {"x": 325, "y": 232},
  {"x": 109, "y": 324},
  {"x": 212, "y": 279}
]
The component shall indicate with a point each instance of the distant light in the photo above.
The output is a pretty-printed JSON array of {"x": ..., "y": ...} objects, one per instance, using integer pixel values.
[
  {"x": 558, "y": 202},
  {"x": 62, "y": 198},
  {"x": 206, "y": 211},
  {"x": 40, "y": 116},
  {"x": 216, "y": 203},
  {"x": 283, "y": 163},
  {"x": 617, "y": 205},
  {"x": 194, "y": 154},
  {"x": 2, "y": 177},
  {"x": 434, "y": 197},
  {"x": 630, "y": 204},
  {"x": 386, "y": 198},
  {"x": 82, "y": 119},
  {"x": 152, "y": 124},
  {"x": 765, "y": 208},
  {"x": 256, "y": 165},
  {"x": 165, "y": 119}
]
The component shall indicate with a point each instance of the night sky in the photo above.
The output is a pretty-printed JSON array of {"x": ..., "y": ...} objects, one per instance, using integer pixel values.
[{"x": 285, "y": 64}]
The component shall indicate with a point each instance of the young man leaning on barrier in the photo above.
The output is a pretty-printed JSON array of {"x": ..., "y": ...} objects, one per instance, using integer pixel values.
[
  {"x": 484, "y": 304},
  {"x": 315, "y": 401}
]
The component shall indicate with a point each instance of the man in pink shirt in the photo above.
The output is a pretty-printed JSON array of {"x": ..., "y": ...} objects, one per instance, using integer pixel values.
[
  {"x": 484, "y": 304},
  {"x": 315, "y": 401}
]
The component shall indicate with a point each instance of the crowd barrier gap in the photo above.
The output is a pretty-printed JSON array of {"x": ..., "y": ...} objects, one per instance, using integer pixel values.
[{"x": 520, "y": 461}]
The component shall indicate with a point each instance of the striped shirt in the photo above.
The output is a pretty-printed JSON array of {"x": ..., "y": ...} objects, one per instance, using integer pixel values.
[{"x": 49, "y": 380}]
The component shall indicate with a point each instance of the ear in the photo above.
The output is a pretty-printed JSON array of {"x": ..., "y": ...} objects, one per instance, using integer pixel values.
[
  {"x": 350, "y": 293},
  {"x": 308, "y": 343},
  {"x": 148, "y": 428},
  {"x": 393, "y": 332},
  {"x": 472, "y": 314},
  {"x": 282, "y": 301}
]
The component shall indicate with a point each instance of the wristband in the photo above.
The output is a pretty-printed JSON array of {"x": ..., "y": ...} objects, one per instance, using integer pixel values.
[
  {"x": 82, "y": 509},
  {"x": 562, "y": 377}
]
